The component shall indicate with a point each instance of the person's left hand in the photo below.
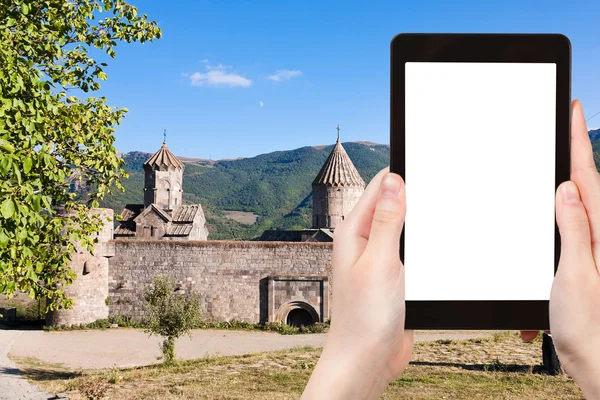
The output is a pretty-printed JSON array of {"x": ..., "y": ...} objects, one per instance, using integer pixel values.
[{"x": 367, "y": 346}]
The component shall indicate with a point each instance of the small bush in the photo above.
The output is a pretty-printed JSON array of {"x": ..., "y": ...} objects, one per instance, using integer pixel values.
[
  {"x": 93, "y": 389},
  {"x": 170, "y": 315},
  {"x": 114, "y": 376}
]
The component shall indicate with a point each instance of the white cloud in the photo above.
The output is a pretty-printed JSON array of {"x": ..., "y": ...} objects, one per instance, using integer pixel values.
[
  {"x": 260, "y": 103},
  {"x": 216, "y": 76},
  {"x": 284, "y": 75}
]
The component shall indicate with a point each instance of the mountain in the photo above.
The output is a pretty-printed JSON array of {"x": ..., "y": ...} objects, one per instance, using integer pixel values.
[{"x": 274, "y": 186}]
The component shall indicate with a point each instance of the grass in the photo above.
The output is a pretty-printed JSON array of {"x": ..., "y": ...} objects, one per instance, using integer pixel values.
[
  {"x": 127, "y": 322},
  {"x": 499, "y": 367}
]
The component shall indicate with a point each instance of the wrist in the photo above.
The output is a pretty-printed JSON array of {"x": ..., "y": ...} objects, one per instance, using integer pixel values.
[
  {"x": 587, "y": 376},
  {"x": 345, "y": 374}
]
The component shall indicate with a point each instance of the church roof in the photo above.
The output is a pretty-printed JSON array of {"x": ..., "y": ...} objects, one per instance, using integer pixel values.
[
  {"x": 179, "y": 230},
  {"x": 126, "y": 226},
  {"x": 163, "y": 160},
  {"x": 186, "y": 212},
  {"x": 157, "y": 210},
  {"x": 338, "y": 170}
]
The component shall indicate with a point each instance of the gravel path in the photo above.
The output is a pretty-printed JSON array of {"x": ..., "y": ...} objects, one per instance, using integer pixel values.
[
  {"x": 12, "y": 385},
  {"x": 96, "y": 349}
]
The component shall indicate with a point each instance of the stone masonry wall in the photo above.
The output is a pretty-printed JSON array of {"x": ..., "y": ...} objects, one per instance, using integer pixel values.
[
  {"x": 230, "y": 277},
  {"x": 331, "y": 204},
  {"x": 90, "y": 289}
]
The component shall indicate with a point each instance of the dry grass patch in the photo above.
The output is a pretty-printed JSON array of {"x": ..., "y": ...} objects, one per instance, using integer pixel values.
[{"x": 501, "y": 367}]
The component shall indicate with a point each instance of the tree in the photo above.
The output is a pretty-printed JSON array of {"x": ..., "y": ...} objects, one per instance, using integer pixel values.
[
  {"x": 49, "y": 133},
  {"x": 169, "y": 314}
]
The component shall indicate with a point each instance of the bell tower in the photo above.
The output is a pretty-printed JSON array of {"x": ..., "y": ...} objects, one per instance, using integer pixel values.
[{"x": 163, "y": 179}]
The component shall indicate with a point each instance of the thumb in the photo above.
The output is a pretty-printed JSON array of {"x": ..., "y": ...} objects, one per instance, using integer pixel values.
[
  {"x": 574, "y": 227},
  {"x": 388, "y": 218}
]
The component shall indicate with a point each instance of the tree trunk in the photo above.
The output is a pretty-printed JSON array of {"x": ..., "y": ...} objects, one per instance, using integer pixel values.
[{"x": 168, "y": 350}]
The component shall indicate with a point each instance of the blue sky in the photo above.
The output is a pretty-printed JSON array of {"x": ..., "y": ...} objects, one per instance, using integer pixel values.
[{"x": 233, "y": 78}]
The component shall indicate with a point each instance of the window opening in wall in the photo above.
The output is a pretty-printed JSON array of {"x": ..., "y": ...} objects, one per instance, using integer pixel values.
[
  {"x": 152, "y": 231},
  {"x": 146, "y": 231}
]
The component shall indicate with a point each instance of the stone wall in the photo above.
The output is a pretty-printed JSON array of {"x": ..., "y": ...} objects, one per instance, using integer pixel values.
[
  {"x": 232, "y": 278},
  {"x": 90, "y": 289}
]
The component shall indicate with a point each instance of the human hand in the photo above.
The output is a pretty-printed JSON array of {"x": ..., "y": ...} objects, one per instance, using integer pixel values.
[
  {"x": 366, "y": 346},
  {"x": 575, "y": 297}
]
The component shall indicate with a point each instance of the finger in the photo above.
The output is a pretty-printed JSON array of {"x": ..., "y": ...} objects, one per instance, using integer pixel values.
[
  {"x": 351, "y": 236},
  {"x": 358, "y": 222},
  {"x": 574, "y": 227},
  {"x": 582, "y": 158},
  {"x": 528, "y": 336},
  {"x": 388, "y": 220},
  {"x": 584, "y": 173}
]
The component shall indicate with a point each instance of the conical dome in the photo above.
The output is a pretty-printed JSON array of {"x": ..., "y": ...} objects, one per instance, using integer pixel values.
[
  {"x": 338, "y": 170},
  {"x": 164, "y": 160}
]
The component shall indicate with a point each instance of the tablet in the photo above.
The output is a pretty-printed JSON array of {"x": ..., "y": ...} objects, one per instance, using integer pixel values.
[{"x": 480, "y": 133}]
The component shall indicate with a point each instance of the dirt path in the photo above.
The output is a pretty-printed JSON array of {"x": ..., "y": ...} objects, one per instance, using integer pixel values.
[
  {"x": 121, "y": 347},
  {"x": 12, "y": 385}
]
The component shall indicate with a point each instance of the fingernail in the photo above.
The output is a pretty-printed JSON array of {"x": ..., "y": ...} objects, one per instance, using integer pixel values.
[
  {"x": 570, "y": 193},
  {"x": 391, "y": 184}
]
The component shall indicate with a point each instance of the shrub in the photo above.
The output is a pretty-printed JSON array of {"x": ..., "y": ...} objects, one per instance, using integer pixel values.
[
  {"x": 170, "y": 315},
  {"x": 93, "y": 389}
]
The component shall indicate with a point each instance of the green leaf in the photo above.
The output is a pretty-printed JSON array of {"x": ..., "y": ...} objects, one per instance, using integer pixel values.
[
  {"x": 18, "y": 175},
  {"x": 27, "y": 165},
  {"x": 7, "y": 209},
  {"x": 3, "y": 240},
  {"x": 6, "y": 146},
  {"x": 4, "y": 165},
  {"x": 37, "y": 206}
]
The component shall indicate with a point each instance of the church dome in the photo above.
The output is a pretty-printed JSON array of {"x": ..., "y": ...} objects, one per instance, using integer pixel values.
[
  {"x": 163, "y": 160},
  {"x": 338, "y": 170}
]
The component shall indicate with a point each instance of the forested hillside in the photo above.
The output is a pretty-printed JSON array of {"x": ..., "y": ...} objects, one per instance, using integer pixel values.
[{"x": 275, "y": 186}]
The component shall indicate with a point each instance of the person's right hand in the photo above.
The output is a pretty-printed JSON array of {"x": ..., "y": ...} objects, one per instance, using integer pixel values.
[{"x": 575, "y": 297}]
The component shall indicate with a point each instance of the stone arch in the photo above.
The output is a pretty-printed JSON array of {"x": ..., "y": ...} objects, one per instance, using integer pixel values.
[{"x": 282, "y": 314}]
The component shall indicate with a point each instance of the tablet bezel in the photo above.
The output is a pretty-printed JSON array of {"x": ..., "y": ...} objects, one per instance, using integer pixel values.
[{"x": 493, "y": 48}]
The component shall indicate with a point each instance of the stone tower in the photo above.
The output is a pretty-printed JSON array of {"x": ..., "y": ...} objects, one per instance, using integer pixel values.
[
  {"x": 89, "y": 290},
  {"x": 163, "y": 184},
  {"x": 336, "y": 189}
]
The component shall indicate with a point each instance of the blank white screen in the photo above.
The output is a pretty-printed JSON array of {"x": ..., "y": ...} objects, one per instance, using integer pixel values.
[{"x": 480, "y": 181}]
